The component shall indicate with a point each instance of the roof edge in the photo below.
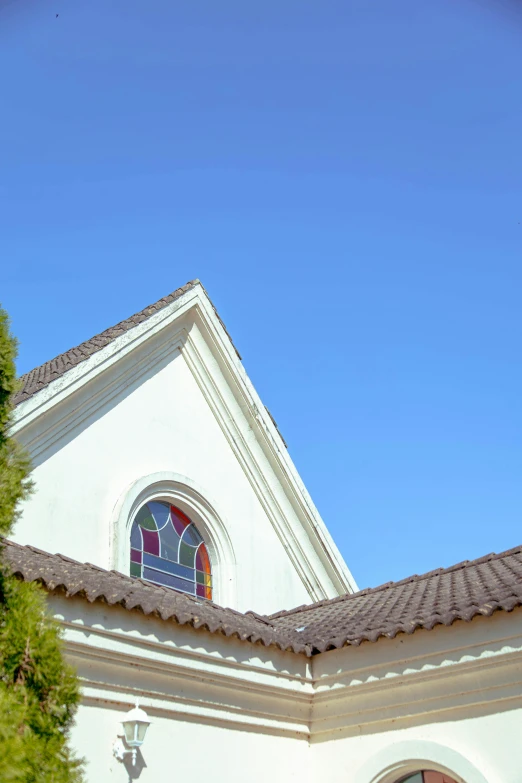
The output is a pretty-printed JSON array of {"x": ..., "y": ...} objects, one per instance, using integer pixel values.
[
  {"x": 43, "y": 375},
  {"x": 389, "y": 585},
  {"x": 59, "y": 574}
]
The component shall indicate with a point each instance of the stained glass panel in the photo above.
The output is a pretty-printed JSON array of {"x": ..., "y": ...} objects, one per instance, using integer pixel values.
[
  {"x": 187, "y": 554},
  {"x": 150, "y": 541},
  {"x": 168, "y": 580},
  {"x": 166, "y": 565},
  {"x": 136, "y": 540},
  {"x": 191, "y": 536},
  {"x": 167, "y": 549},
  {"x": 160, "y": 513},
  {"x": 145, "y": 519},
  {"x": 135, "y": 569},
  {"x": 179, "y": 520},
  {"x": 169, "y": 543}
]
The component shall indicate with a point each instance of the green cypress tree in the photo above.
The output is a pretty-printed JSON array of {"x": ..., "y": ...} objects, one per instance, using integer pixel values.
[{"x": 38, "y": 691}]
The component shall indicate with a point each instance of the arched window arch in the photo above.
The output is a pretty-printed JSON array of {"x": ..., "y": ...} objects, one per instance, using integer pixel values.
[
  {"x": 427, "y": 776},
  {"x": 166, "y": 548},
  {"x": 197, "y": 504},
  {"x": 400, "y": 761}
]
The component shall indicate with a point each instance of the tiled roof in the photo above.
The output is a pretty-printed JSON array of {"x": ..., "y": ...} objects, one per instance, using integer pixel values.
[
  {"x": 60, "y": 574},
  {"x": 461, "y": 592},
  {"x": 468, "y": 589},
  {"x": 41, "y": 376}
]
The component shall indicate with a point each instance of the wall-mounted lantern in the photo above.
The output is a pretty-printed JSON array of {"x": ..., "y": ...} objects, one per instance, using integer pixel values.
[{"x": 135, "y": 725}]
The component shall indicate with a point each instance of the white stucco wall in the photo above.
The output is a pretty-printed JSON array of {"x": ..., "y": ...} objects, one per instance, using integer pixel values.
[
  {"x": 480, "y": 750},
  {"x": 221, "y": 709},
  {"x": 163, "y": 424},
  {"x": 176, "y": 750},
  {"x": 472, "y": 749},
  {"x": 449, "y": 699}
]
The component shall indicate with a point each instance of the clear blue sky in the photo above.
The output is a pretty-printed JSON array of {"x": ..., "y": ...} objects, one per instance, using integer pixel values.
[{"x": 346, "y": 180}]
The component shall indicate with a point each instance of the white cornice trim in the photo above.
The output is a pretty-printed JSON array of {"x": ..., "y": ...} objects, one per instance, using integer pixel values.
[
  {"x": 187, "y": 673},
  {"x": 181, "y": 680},
  {"x": 445, "y": 691}
]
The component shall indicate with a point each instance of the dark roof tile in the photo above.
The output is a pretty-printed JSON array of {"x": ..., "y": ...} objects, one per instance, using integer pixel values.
[
  {"x": 60, "y": 573},
  {"x": 36, "y": 379},
  {"x": 440, "y": 597}
]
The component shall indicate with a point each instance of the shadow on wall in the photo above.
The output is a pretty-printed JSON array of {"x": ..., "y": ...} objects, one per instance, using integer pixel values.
[
  {"x": 168, "y": 636},
  {"x": 134, "y": 770},
  {"x": 451, "y": 714}
]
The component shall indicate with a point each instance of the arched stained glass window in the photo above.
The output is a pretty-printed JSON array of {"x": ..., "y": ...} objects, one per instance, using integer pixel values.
[
  {"x": 427, "y": 777},
  {"x": 167, "y": 549}
]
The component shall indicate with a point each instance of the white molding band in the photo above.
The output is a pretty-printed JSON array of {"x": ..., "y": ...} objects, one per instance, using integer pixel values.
[{"x": 171, "y": 659}]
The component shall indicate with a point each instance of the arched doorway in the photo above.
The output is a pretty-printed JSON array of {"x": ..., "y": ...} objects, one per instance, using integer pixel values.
[{"x": 427, "y": 776}]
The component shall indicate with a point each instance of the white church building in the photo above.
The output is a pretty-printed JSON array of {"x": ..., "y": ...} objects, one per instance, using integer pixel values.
[{"x": 196, "y": 576}]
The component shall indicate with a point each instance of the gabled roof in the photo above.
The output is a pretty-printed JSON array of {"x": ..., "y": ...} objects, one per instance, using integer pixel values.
[
  {"x": 463, "y": 591},
  {"x": 41, "y": 376}
]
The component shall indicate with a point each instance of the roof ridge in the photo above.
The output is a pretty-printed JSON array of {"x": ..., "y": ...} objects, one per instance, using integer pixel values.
[
  {"x": 388, "y": 585},
  {"x": 41, "y": 376},
  {"x": 261, "y": 617}
]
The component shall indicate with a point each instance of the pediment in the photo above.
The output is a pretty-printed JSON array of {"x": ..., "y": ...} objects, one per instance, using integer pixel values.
[{"x": 77, "y": 390}]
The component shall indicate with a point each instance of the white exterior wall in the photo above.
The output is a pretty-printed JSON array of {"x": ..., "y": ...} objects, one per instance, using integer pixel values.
[
  {"x": 485, "y": 748},
  {"x": 163, "y": 426},
  {"x": 220, "y": 708},
  {"x": 176, "y": 750},
  {"x": 449, "y": 699},
  {"x": 472, "y": 750}
]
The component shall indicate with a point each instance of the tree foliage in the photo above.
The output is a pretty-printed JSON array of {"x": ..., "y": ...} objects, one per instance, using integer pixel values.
[{"x": 38, "y": 690}]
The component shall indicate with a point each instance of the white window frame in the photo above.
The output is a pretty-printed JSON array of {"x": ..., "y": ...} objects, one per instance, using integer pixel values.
[{"x": 192, "y": 499}]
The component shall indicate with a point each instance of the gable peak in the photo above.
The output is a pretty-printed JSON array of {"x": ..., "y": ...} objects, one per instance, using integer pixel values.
[{"x": 41, "y": 376}]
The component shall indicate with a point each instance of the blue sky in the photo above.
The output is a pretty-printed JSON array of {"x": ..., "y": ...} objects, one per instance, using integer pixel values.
[{"x": 346, "y": 180}]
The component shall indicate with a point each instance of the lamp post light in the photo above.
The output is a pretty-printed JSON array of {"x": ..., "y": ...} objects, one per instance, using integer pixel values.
[{"x": 135, "y": 725}]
